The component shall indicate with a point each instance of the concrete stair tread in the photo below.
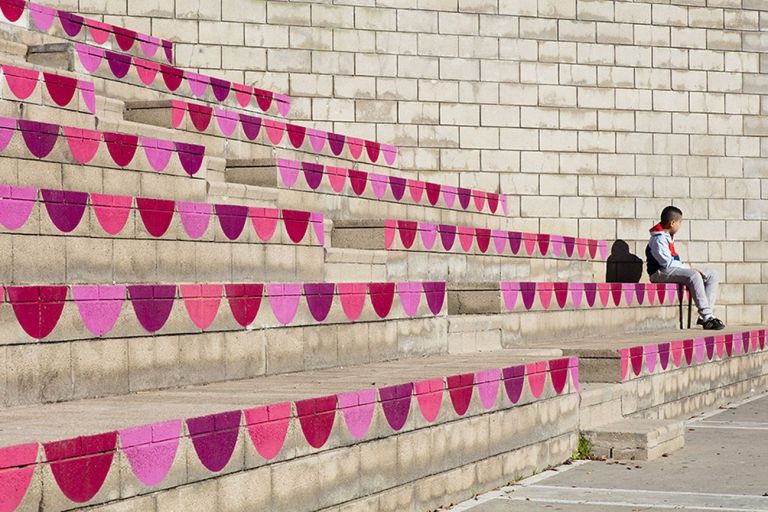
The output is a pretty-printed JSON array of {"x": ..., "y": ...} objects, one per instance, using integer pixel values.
[
  {"x": 83, "y": 417},
  {"x": 636, "y": 439},
  {"x": 600, "y": 347}
]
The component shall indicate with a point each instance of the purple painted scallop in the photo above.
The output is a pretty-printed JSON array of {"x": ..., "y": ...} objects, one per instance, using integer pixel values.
[
  {"x": 528, "y": 292},
  {"x": 40, "y": 138},
  {"x": 231, "y": 219},
  {"x": 313, "y": 174},
  {"x": 435, "y": 295},
  {"x": 319, "y": 297},
  {"x": 214, "y": 438},
  {"x": 514, "y": 380},
  {"x": 152, "y": 304},
  {"x": 65, "y": 208},
  {"x": 396, "y": 404}
]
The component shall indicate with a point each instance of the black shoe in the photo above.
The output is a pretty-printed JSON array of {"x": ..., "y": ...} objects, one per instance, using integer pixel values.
[{"x": 713, "y": 324}]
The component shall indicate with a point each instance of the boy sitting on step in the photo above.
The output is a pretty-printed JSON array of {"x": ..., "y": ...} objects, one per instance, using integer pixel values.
[{"x": 664, "y": 266}]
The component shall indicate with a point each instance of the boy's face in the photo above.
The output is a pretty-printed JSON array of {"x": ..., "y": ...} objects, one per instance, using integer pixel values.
[{"x": 675, "y": 226}]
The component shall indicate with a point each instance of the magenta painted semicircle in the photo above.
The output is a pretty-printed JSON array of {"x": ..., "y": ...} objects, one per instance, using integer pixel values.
[
  {"x": 396, "y": 404},
  {"x": 214, "y": 438},
  {"x": 296, "y": 224},
  {"x": 460, "y": 391},
  {"x": 244, "y": 301},
  {"x": 382, "y": 295},
  {"x": 80, "y": 465},
  {"x": 99, "y": 306},
  {"x": 268, "y": 427},
  {"x": 17, "y": 466},
  {"x": 37, "y": 308},
  {"x": 151, "y": 450},
  {"x": 558, "y": 373},
  {"x": 357, "y": 408},
  {"x": 316, "y": 417}
]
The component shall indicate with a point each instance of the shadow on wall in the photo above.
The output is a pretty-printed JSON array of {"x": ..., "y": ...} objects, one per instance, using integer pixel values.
[{"x": 622, "y": 265}]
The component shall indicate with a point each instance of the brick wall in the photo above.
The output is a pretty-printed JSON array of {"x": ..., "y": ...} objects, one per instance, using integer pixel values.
[{"x": 596, "y": 113}]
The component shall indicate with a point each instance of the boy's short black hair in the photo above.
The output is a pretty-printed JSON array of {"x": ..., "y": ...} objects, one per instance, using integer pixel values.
[{"x": 669, "y": 215}]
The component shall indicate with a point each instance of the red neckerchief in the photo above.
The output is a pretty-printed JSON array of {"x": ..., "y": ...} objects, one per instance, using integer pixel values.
[{"x": 659, "y": 227}]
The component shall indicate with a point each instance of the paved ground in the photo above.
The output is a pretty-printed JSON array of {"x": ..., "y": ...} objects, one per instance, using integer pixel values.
[{"x": 724, "y": 467}]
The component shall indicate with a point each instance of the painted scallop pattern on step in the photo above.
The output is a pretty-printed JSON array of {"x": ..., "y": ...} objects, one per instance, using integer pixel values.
[
  {"x": 66, "y": 210},
  {"x": 22, "y": 82},
  {"x": 359, "y": 183},
  {"x": 80, "y": 466},
  {"x": 40, "y": 139},
  {"x": 652, "y": 359},
  {"x": 419, "y": 236},
  {"x": 44, "y": 19},
  {"x": 38, "y": 309},
  {"x": 203, "y": 118},
  {"x": 176, "y": 80},
  {"x": 527, "y": 296}
]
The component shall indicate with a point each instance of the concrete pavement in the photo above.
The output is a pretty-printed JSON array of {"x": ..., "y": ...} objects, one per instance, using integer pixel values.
[{"x": 722, "y": 467}]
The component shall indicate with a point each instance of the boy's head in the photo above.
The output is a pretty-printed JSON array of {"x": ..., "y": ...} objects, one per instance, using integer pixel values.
[{"x": 671, "y": 219}]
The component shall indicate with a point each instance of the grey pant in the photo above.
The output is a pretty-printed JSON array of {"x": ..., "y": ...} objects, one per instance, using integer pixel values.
[{"x": 703, "y": 286}]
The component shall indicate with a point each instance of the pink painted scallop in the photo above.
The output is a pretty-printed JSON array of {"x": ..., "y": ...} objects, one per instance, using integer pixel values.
[
  {"x": 510, "y": 292},
  {"x": 410, "y": 297},
  {"x": 16, "y": 205},
  {"x": 202, "y": 302},
  {"x": 428, "y": 234},
  {"x": 499, "y": 240},
  {"x": 352, "y": 297},
  {"x": 21, "y": 81},
  {"x": 624, "y": 363},
  {"x": 379, "y": 184},
  {"x": 264, "y": 221},
  {"x": 284, "y": 301},
  {"x": 17, "y": 466},
  {"x": 416, "y": 190},
  {"x": 317, "y": 220},
  {"x": 267, "y": 428},
  {"x": 226, "y": 121},
  {"x": 158, "y": 152},
  {"x": 529, "y": 242},
  {"x": 83, "y": 144},
  {"x": 195, "y": 218},
  {"x": 99, "y": 306},
  {"x": 355, "y": 147},
  {"x": 466, "y": 237},
  {"x": 651, "y": 353},
  {"x": 488, "y": 382},
  {"x": 449, "y": 195},
  {"x": 316, "y": 139},
  {"x": 147, "y": 71},
  {"x": 429, "y": 396},
  {"x": 357, "y": 408},
  {"x": 577, "y": 294},
  {"x": 390, "y": 232},
  {"x": 275, "y": 130},
  {"x": 151, "y": 450},
  {"x": 42, "y": 16},
  {"x": 337, "y": 178},
  {"x": 89, "y": 57},
  {"x": 389, "y": 152},
  {"x": 537, "y": 377}
]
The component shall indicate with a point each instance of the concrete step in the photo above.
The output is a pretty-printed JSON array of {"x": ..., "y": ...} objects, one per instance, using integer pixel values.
[
  {"x": 61, "y": 343},
  {"x": 119, "y": 75},
  {"x": 54, "y": 156},
  {"x": 352, "y": 263},
  {"x": 363, "y": 194},
  {"x": 357, "y": 433},
  {"x": 555, "y": 329},
  {"x": 38, "y": 24},
  {"x": 246, "y": 137},
  {"x": 508, "y": 296},
  {"x": 636, "y": 439}
]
